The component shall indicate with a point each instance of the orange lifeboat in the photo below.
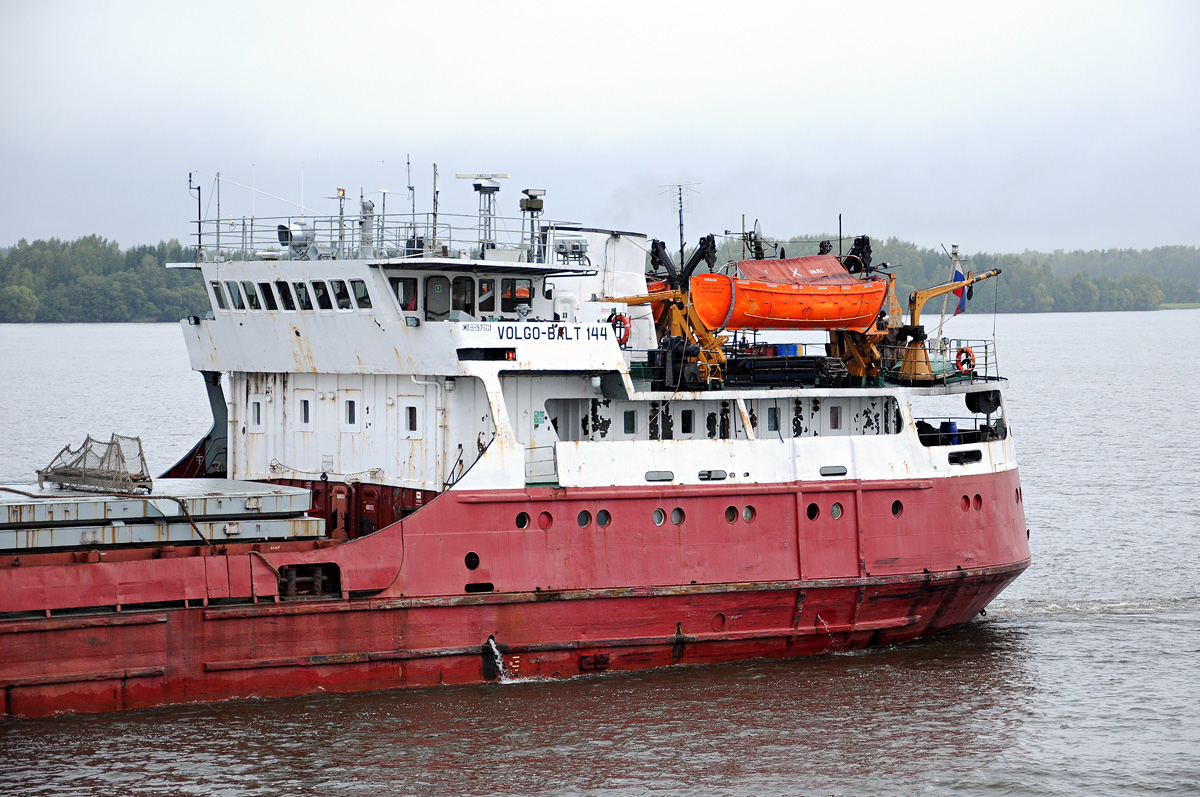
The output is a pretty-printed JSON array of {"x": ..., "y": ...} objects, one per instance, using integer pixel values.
[{"x": 798, "y": 293}]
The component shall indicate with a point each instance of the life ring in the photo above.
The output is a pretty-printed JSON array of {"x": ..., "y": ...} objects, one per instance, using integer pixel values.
[
  {"x": 965, "y": 360},
  {"x": 620, "y": 324}
]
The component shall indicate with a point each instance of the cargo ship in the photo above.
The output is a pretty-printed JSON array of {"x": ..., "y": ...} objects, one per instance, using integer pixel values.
[{"x": 451, "y": 450}]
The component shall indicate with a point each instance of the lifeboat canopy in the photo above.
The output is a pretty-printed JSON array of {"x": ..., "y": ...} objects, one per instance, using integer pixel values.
[{"x": 815, "y": 292}]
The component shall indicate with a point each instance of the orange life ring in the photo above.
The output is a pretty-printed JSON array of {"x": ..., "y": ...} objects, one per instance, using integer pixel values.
[
  {"x": 965, "y": 360},
  {"x": 621, "y": 325}
]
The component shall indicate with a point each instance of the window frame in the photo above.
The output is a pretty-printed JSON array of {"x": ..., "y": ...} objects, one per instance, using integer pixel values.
[
  {"x": 285, "y": 296},
  {"x": 323, "y": 295},
  {"x": 341, "y": 295},
  {"x": 361, "y": 294},
  {"x": 235, "y": 295},
  {"x": 303, "y": 295},
  {"x": 219, "y": 295}
]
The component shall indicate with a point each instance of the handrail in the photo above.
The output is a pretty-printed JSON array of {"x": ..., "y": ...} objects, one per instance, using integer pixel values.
[{"x": 367, "y": 234}]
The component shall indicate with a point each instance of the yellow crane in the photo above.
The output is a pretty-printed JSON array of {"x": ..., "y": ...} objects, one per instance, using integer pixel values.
[
  {"x": 914, "y": 367},
  {"x": 696, "y": 351}
]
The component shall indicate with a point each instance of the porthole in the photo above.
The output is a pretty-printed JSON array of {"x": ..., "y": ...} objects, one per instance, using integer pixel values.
[
  {"x": 585, "y": 517},
  {"x": 677, "y": 516},
  {"x": 731, "y": 514},
  {"x": 660, "y": 517},
  {"x": 965, "y": 503},
  {"x": 603, "y": 518},
  {"x": 978, "y": 502},
  {"x": 471, "y": 560},
  {"x": 523, "y": 520},
  {"x": 835, "y": 511},
  {"x": 814, "y": 511},
  {"x": 748, "y": 514},
  {"x": 544, "y": 520},
  {"x": 897, "y": 508}
]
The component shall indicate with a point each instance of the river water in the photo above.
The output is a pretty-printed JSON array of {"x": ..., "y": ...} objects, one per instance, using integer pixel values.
[{"x": 1084, "y": 677}]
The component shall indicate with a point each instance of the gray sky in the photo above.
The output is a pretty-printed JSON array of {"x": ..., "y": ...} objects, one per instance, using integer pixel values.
[{"x": 1000, "y": 126}]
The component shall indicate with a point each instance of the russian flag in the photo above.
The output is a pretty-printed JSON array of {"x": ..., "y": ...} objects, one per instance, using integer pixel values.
[{"x": 961, "y": 293}]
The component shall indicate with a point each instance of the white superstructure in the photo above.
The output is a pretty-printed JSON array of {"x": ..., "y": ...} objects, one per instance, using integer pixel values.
[{"x": 439, "y": 363}]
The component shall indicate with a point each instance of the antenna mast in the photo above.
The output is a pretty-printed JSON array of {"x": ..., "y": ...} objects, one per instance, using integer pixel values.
[
  {"x": 683, "y": 203},
  {"x": 412, "y": 190},
  {"x": 435, "y": 209},
  {"x": 199, "y": 217}
]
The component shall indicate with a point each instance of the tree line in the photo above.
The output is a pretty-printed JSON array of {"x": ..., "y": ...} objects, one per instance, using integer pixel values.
[
  {"x": 1030, "y": 282},
  {"x": 91, "y": 279}
]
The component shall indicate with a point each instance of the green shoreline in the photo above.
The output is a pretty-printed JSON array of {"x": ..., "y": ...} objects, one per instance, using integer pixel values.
[{"x": 94, "y": 280}]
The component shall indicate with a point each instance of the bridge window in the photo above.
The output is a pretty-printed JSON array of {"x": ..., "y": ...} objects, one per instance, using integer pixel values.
[
  {"x": 303, "y": 297},
  {"x": 321, "y": 294},
  {"x": 251, "y": 296},
  {"x": 515, "y": 292},
  {"x": 361, "y": 296},
  {"x": 405, "y": 289},
  {"x": 487, "y": 296},
  {"x": 219, "y": 295},
  {"x": 268, "y": 296},
  {"x": 285, "y": 295},
  {"x": 462, "y": 294},
  {"x": 235, "y": 295},
  {"x": 340, "y": 294}
]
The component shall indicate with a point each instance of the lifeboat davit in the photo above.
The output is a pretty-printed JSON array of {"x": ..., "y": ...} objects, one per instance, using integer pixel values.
[{"x": 797, "y": 293}]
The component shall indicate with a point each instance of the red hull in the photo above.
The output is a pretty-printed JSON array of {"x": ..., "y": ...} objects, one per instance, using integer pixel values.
[{"x": 565, "y": 599}]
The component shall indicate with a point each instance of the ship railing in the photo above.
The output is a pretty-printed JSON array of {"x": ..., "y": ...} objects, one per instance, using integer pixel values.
[
  {"x": 951, "y": 361},
  {"x": 376, "y": 236},
  {"x": 541, "y": 465},
  {"x": 753, "y": 348},
  {"x": 950, "y": 430}
]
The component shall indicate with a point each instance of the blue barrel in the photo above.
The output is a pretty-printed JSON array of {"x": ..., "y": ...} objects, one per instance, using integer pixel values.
[{"x": 949, "y": 430}]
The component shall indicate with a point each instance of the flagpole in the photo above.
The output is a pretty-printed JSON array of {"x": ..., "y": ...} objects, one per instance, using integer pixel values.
[{"x": 954, "y": 261}]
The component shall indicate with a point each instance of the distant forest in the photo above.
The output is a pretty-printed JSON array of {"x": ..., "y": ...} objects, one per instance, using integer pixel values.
[
  {"x": 1031, "y": 282},
  {"x": 92, "y": 279}
]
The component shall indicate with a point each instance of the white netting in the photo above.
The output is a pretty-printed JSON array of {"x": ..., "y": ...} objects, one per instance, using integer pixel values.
[{"x": 117, "y": 466}]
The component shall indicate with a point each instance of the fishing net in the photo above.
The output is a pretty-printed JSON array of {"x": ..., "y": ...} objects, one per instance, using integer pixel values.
[{"x": 118, "y": 466}]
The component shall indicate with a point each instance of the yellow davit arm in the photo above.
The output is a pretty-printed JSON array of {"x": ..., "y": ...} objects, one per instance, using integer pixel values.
[{"x": 917, "y": 299}]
